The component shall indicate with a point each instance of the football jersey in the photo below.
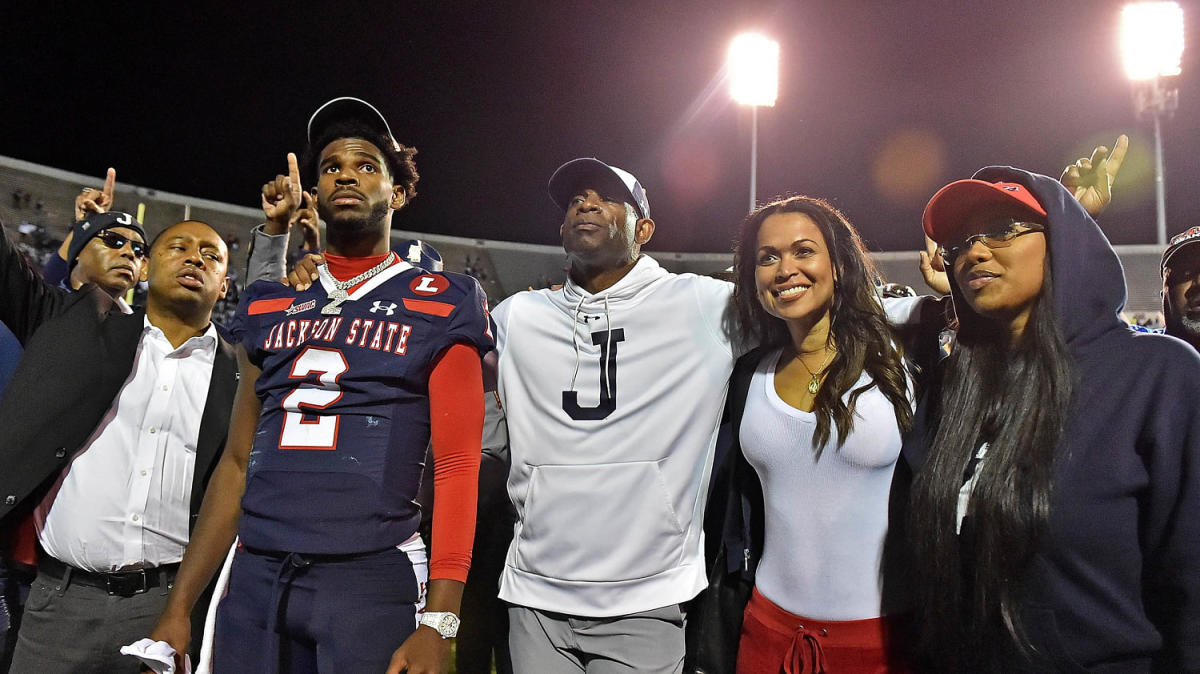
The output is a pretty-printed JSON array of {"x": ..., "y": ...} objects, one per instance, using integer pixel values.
[{"x": 344, "y": 429}]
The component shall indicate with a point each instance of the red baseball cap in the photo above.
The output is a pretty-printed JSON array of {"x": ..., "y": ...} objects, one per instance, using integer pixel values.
[{"x": 947, "y": 212}]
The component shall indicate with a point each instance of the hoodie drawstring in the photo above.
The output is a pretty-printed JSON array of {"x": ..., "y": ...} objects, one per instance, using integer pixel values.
[
  {"x": 575, "y": 342},
  {"x": 575, "y": 338},
  {"x": 607, "y": 347}
]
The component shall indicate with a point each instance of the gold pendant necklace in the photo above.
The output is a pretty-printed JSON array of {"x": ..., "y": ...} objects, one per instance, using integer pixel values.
[{"x": 814, "y": 384}]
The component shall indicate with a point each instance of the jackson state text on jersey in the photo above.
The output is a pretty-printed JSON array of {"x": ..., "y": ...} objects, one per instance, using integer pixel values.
[{"x": 344, "y": 428}]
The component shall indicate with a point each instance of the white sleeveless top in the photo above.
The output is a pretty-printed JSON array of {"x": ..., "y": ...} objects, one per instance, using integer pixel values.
[{"x": 826, "y": 518}]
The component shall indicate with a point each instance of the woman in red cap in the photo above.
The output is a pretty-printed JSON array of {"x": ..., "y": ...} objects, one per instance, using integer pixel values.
[{"x": 1054, "y": 509}]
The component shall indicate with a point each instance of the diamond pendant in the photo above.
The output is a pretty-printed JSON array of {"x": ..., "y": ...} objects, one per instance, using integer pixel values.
[
  {"x": 814, "y": 385},
  {"x": 336, "y": 297}
]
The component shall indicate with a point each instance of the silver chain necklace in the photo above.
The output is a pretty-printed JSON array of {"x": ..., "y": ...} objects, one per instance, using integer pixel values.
[{"x": 337, "y": 293}]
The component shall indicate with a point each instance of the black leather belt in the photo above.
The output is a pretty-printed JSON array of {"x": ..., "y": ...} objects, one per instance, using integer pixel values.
[{"x": 124, "y": 584}]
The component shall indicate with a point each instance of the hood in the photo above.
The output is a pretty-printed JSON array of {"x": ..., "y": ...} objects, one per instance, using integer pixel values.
[
  {"x": 577, "y": 301},
  {"x": 583, "y": 306},
  {"x": 1089, "y": 283}
]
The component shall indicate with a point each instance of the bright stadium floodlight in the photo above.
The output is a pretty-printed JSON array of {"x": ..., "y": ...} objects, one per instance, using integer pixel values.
[
  {"x": 1152, "y": 48},
  {"x": 753, "y": 67},
  {"x": 1152, "y": 39}
]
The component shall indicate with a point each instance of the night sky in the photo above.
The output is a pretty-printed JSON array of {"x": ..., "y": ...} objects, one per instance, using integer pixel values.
[{"x": 880, "y": 103}]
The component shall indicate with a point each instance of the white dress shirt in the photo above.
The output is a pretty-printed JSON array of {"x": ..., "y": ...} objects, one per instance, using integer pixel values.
[{"x": 124, "y": 501}]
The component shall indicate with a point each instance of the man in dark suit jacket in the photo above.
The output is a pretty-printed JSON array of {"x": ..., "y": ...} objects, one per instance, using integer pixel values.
[
  {"x": 110, "y": 252},
  {"x": 104, "y": 388}
]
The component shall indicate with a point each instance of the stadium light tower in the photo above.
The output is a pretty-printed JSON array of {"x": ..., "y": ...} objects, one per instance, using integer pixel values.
[
  {"x": 753, "y": 66},
  {"x": 1152, "y": 47}
]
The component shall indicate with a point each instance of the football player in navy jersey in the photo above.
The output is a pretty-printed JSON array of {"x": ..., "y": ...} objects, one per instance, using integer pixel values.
[{"x": 343, "y": 386}]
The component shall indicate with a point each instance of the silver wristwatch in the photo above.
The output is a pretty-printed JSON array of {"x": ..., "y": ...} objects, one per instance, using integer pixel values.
[{"x": 445, "y": 623}]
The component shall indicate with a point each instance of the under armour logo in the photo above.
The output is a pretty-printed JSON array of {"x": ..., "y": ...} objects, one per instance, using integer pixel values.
[{"x": 390, "y": 307}]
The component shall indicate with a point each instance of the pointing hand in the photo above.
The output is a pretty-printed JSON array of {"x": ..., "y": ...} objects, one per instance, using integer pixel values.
[
  {"x": 92, "y": 200},
  {"x": 281, "y": 198},
  {"x": 1091, "y": 179}
]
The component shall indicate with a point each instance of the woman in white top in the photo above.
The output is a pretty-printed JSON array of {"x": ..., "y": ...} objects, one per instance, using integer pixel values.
[{"x": 821, "y": 427}]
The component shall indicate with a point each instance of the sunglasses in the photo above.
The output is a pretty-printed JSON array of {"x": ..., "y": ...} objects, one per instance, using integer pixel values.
[
  {"x": 1000, "y": 239},
  {"x": 117, "y": 242}
]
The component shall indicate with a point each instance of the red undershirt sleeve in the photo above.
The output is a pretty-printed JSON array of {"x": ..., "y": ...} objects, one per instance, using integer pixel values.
[{"x": 456, "y": 428}]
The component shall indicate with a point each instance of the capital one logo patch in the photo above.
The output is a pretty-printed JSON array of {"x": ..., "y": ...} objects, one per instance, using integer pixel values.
[
  {"x": 429, "y": 284},
  {"x": 390, "y": 307}
]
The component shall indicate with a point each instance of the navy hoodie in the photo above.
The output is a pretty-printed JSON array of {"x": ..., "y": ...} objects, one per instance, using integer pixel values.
[{"x": 1114, "y": 585}]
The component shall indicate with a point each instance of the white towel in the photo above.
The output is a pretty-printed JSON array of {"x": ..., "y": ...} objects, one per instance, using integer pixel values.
[{"x": 157, "y": 655}]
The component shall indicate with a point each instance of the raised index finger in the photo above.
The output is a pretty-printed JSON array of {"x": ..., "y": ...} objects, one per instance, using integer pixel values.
[
  {"x": 294, "y": 176},
  {"x": 110, "y": 181},
  {"x": 1117, "y": 156}
]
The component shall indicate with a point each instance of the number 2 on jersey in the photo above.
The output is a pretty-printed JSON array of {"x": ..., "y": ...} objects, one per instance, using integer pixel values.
[{"x": 316, "y": 432}]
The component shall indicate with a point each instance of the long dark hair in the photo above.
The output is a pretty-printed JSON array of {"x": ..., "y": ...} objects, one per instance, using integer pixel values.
[
  {"x": 858, "y": 327},
  {"x": 1015, "y": 398}
]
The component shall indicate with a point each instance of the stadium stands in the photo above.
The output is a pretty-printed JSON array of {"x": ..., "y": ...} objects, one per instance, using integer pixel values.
[{"x": 502, "y": 267}]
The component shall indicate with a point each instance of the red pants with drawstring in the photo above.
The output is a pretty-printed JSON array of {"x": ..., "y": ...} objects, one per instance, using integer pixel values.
[{"x": 775, "y": 641}]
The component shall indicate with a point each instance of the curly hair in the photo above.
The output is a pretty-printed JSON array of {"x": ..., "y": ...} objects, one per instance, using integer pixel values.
[
  {"x": 400, "y": 163},
  {"x": 858, "y": 326}
]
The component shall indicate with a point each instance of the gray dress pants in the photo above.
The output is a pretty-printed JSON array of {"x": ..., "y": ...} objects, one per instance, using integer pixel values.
[
  {"x": 650, "y": 642},
  {"x": 70, "y": 628}
]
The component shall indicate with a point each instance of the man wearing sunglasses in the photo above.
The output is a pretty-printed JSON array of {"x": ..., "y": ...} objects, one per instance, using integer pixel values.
[
  {"x": 108, "y": 250},
  {"x": 113, "y": 423},
  {"x": 79, "y": 261}
]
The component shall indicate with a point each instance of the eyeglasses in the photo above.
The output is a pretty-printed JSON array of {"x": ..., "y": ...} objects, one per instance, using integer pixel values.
[
  {"x": 117, "y": 242},
  {"x": 1000, "y": 239}
]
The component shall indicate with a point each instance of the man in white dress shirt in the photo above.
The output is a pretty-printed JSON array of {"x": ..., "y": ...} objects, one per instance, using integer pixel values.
[{"x": 113, "y": 477}]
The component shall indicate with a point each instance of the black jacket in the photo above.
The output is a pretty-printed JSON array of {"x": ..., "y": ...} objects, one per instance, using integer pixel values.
[
  {"x": 79, "y": 350},
  {"x": 733, "y": 540}
]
